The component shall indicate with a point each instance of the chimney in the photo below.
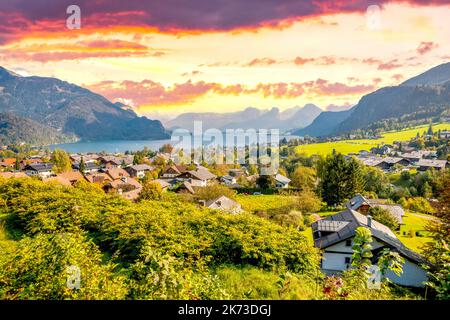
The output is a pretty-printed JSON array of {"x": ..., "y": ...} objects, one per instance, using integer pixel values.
[
  {"x": 124, "y": 179},
  {"x": 369, "y": 221}
]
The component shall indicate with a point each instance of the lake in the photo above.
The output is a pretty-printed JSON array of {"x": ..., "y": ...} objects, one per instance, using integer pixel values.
[{"x": 119, "y": 146}]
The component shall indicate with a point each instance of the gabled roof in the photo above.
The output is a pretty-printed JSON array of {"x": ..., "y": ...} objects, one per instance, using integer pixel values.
[
  {"x": 142, "y": 167},
  {"x": 72, "y": 176},
  {"x": 282, "y": 179},
  {"x": 223, "y": 203},
  {"x": 187, "y": 186},
  {"x": 39, "y": 167},
  {"x": 432, "y": 163},
  {"x": 394, "y": 209},
  {"x": 117, "y": 173},
  {"x": 13, "y": 174},
  {"x": 354, "y": 220},
  {"x": 202, "y": 174}
]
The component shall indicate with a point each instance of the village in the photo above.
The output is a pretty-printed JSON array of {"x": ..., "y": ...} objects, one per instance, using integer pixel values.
[{"x": 127, "y": 175}]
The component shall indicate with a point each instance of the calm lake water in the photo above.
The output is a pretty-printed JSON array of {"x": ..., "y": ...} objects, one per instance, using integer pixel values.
[{"x": 118, "y": 146}]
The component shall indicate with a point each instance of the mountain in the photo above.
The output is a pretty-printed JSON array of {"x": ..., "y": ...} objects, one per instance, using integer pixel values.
[
  {"x": 250, "y": 118},
  {"x": 72, "y": 110},
  {"x": 435, "y": 76},
  {"x": 324, "y": 124},
  {"x": 422, "y": 97},
  {"x": 14, "y": 130}
]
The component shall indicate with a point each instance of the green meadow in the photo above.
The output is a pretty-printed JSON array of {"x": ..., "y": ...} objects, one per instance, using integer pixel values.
[{"x": 350, "y": 146}]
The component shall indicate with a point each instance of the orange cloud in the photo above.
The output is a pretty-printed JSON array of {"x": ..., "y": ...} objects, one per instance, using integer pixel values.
[{"x": 425, "y": 47}]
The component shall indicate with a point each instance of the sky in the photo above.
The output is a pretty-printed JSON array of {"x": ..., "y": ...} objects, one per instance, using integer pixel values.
[{"x": 168, "y": 57}]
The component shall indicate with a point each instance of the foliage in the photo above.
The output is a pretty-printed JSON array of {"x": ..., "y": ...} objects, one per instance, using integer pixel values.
[
  {"x": 265, "y": 182},
  {"x": 304, "y": 178},
  {"x": 383, "y": 216},
  {"x": 37, "y": 269},
  {"x": 340, "y": 178},
  {"x": 61, "y": 161},
  {"x": 151, "y": 191},
  {"x": 214, "y": 191}
]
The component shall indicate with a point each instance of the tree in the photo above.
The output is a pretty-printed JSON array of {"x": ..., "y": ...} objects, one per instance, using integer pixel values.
[
  {"x": 166, "y": 148},
  {"x": 82, "y": 166},
  {"x": 308, "y": 202},
  {"x": 151, "y": 190},
  {"x": 438, "y": 251},
  {"x": 376, "y": 181},
  {"x": 214, "y": 191},
  {"x": 61, "y": 161},
  {"x": 383, "y": 216},
  {"x": 265, "y": 182},
  {"x": 340, "y": 178},
  {"x": 304, "y": 178}
]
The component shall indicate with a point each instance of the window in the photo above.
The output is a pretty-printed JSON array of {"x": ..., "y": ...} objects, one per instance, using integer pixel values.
[
  {"x": 348, "y": 243},
  {"x": 347, "y": 260}
]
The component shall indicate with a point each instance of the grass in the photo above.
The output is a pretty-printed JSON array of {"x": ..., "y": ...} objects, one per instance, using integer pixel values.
[
  {"x": 353, "y": 146},
  {"x": 414, "y": 222},
  {"x": 253, "y": 203}
]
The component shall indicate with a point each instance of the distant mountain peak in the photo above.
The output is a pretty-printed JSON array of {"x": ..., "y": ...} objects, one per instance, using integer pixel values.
[{"x": 5, "y": 74}]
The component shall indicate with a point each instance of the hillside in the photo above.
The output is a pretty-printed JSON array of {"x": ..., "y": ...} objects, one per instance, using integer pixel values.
[
  {"x": 424, "y": 97},
  {"x": 72, "y": 110},
  {"x": 324, "y": 124},
  {"x": 15, "y": 130}
]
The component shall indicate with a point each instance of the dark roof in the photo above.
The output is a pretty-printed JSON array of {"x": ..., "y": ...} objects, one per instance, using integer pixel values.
[
  {"x": 39, "y": 167},
  {"x": 345, "y": 224}
]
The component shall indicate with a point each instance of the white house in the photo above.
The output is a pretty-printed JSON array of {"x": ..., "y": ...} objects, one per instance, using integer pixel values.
[
  {"x": 224, "y": 204},
  {"x": 43, "y": 170},
  {"x": 335, "y": 234},
  {"x": 281, "y": 181}
]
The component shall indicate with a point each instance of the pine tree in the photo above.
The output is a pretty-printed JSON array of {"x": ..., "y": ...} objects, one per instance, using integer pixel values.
[{"x": 82, "y": 166}]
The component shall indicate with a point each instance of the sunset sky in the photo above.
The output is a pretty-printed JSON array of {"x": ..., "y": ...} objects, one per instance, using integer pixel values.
[{"x": 168, "y": 57}]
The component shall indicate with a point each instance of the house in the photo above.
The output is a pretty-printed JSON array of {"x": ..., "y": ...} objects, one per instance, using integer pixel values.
[
  {"x": 57, "y": 179},
  {"x": 199, "y": 177},
  {"x": 117, "y": 173},
  {"x": 89, "y": 167},
  {"x": 389, "y": 162},
  {"x": 224, "y": 204},
  {"x": 228, "y": 180},
  {"x": 425, "y": 164},
  {"x": 362, "y": 205},
  {"x": 126, "y": 187},
  {"x": 383, "y": 150},
  {"x": 236, "y": 173},
  {"x": 98, "y": 177},
  {"x": 371, "y": 161},
  {"x": 110, "y": 162},
  {"x": 444, "y": 134},
  {"x": 163, "y": 183},
  {"x": 334, "y": 235},
  {"x": 7, "y": 162},
  {"x": 16, "y": 174},
  {"x": 72, "y": 177},
  {"x": 172, "y": 171},
  {"x": 139, "y": 170},
  {"x": 43, "y": 170},
  {"x": 186, "y": 187},
  {"x": 281, "y": 182}
]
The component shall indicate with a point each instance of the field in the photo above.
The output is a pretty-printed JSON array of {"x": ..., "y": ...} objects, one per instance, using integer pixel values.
[
  {"x": 253, "y": 203},
  {"x": 350, "y": 146}
]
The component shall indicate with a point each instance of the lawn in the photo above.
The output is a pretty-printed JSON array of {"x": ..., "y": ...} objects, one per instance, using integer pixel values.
[
  {"x": 352, "y": 146},
  {"x": 414, "y": 222}
]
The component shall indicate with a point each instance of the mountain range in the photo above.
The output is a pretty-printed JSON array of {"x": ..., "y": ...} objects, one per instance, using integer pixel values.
[
  {"x": 422, "y": 97},
  {"x": 67, "y": 111},
  {"x": 295, "y": 117}
]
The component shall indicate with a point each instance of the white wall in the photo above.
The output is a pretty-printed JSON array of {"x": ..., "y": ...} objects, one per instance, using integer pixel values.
[
  {"x": 334, "y": 259},
  {"x": 412, "y": 275}
]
